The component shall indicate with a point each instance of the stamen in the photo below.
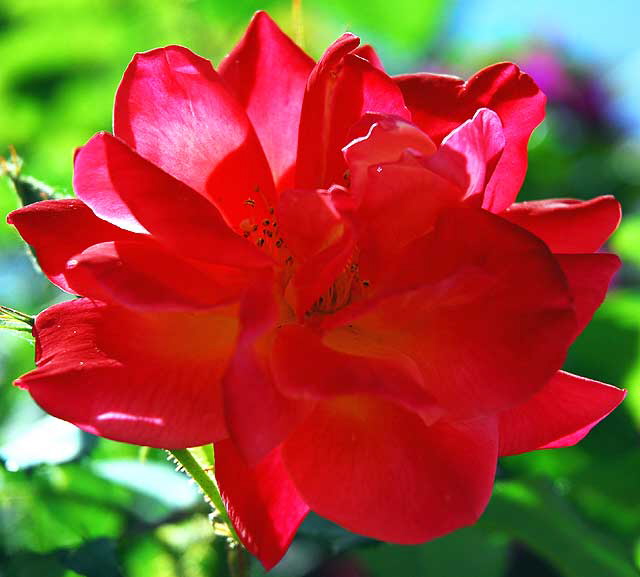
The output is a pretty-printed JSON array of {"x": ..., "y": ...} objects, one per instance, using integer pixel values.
[
  {"x": 346, "y": 288},
  {"x": 265, "y": 235}
]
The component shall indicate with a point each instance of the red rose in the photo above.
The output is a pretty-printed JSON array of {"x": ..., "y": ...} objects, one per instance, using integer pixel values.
[{"x": 320, "y": 269}]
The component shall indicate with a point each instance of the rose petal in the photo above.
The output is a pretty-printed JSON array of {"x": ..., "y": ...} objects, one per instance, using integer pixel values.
[
  {"x": 568, "y": 225},
  {"x": 369, "y": 53},
  {"x": 469, "y": 154},
  {"x": 60, "y": 229},
  {"x": 144, "y": 276},
  {"x": 146, "y": 379},
  {"x": 341, "y": 89},
  {"x": 252, "y": 402},
  {"x": 385, "y": 140},
  {"x": 399, "y": 480},
  {"x": 589, "y": 276},
  {"x": 439, "y": 104},
  {"x": 472, "y": 304},
  {"x": 262, "y": 501},
  {"x": 397, "y": 198},
  {"x": 309, "y": 365},
  {"x": 320, "y": 241},
  {"x": 559, "y": 415},
  {"x": 268, "y": 73},
  {"x": 175, "y": 111},
  {"x": 125, "y": 189}
]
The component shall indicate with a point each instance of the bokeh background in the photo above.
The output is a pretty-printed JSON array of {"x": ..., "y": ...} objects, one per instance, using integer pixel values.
[{"x": 72, "y": 504}]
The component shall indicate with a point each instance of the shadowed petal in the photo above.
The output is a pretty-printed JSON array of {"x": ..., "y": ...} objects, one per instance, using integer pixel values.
[
  {"x": 589, "y": 276},
  {"x": 259, "y": 417},
  {"x": 309, "y": 365},
  {"x": 320, "y": 240},
  {"x": 60, "y": 229},
  {"x": 472, "y": 304},
  {"x": 395, "y": 478},
  {"x": 262, "y": 501}
]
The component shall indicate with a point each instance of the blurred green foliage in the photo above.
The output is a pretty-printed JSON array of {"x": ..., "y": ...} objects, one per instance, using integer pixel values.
[{"x": 71, "y": 504}]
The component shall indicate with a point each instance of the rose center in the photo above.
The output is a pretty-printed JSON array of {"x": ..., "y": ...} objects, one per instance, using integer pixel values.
[{"x": 347, "y": 288}]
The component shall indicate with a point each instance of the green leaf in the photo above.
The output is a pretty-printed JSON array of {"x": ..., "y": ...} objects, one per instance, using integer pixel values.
[
  {"x": 534, "y": 514},
  {"x": 471, "y": 551},
  {"x": 12, "y": 325},
  {"x": 93, "y": 559},
  {"x": 30, "y": 565},
  {"x": 626, "y": 240},
  {"x": 609, "y": 350},
  {"x": 145, "y": 556}
]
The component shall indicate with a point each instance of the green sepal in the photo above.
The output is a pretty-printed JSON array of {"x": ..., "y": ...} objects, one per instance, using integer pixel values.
[
  {"x": 28, "y": 188},
  {"x": 14, "y": 320}
]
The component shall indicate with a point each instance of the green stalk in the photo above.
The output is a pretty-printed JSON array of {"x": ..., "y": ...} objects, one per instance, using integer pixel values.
[
  {"x": 188, "y": 462},
  {"x": 18, "y": 316}
]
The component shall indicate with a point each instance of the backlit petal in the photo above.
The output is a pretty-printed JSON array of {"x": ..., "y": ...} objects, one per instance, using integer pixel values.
[
  {"x": 175, "y": 111},
  {"x": 268, "y": 73},
  {"x": 127, "y": 190},
  {"x": 469, "y": 154},
  {"x": 144, "y": 276},
  {"x": 559, "y": 415},
  {"x": 568, "y": 225},
  {"x": 440, "y": 103},
  {"x": 341, "y": 89},
  {"x": 148, "y": 379}
]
